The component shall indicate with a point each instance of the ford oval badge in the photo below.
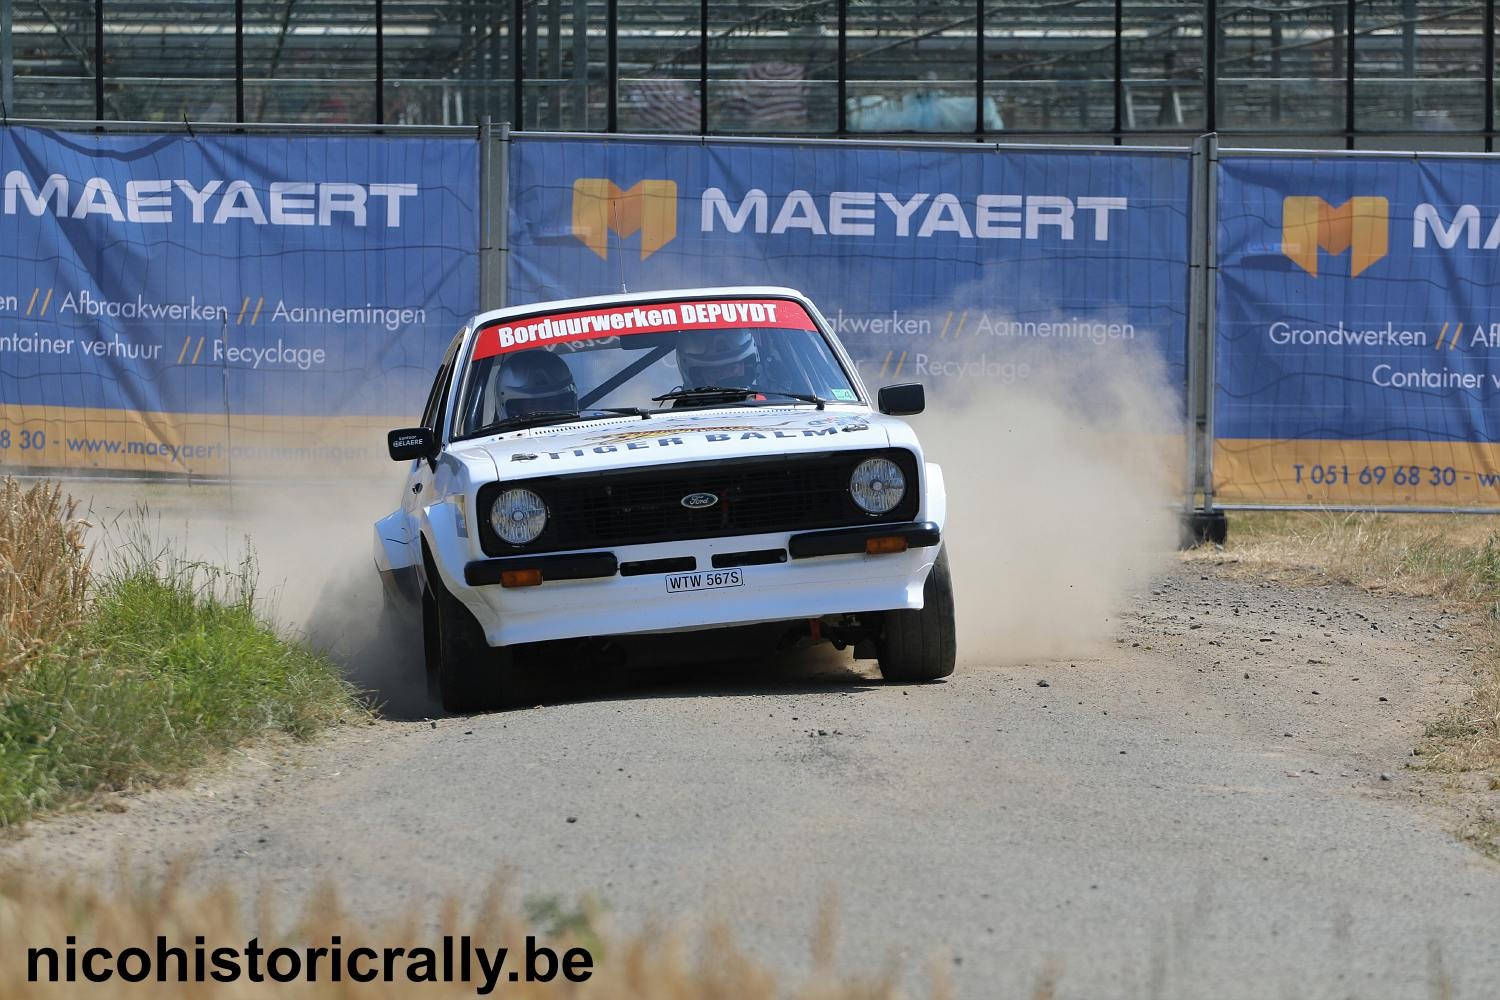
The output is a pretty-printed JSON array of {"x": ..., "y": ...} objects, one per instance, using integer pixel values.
[{"x": 699, "y": 501}]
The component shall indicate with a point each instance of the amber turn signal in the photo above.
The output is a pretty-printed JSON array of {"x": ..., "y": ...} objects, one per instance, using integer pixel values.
[
  {"x": 522, "y": 577},
  {"x": 884, "y": 544}
]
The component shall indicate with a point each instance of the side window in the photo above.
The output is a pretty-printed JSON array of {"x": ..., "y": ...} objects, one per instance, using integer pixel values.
[
  {"x": 437, "y": 399},
  {"x": 429, "y": 411}
]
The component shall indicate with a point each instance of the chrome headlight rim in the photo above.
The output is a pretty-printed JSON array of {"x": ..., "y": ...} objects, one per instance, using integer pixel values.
[
  {"x": 877, "y": 485},
  {"x": 518, "y": 516}
]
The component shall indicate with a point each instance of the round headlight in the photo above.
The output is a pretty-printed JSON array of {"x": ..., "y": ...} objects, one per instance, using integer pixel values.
[
  {"x": 518, "y": 516},
  {"x": 877, "y": 485}
]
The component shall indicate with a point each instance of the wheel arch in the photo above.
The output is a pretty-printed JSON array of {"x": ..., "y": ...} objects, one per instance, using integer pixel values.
[{"x": 935, "y": 498}]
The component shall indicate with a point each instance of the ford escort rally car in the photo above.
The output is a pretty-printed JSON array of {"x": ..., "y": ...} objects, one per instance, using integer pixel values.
[{"x": 662, "y": 462}]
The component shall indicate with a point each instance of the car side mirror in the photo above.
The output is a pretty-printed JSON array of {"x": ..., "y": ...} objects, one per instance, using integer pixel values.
[
  {"x": 411, "y": 442},
  {"x": 902, "y": 400}
]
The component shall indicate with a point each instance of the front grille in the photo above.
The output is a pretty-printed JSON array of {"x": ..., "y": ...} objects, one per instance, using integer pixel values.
[{"x": 755, "y": 495}]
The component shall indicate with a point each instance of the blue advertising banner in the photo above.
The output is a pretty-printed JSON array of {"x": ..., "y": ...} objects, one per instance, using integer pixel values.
[
  {"x": 936, "y": 265},
  {"x": 207, "y": 304},
  {"x": 1357, "y": 335}
]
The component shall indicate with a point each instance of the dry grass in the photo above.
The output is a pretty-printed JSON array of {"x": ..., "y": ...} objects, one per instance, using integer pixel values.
[
  {"x": 1455, "y": 559},
  {"x": 1483, "y": 835},
  {"x": 654, "y": 964},
  {"x": 44, "y": 571}
]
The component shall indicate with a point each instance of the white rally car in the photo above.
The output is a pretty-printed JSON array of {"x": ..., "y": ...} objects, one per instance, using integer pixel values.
[{"x": 663, "y": 462}]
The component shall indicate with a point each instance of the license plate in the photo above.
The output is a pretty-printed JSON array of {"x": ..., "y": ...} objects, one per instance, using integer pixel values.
[{"x": 713, "y": 579}]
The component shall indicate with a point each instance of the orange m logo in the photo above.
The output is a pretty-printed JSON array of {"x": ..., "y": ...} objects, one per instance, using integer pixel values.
[
  {"x": 599, "y": 208},
  {"x": 1360, "y": 225}
]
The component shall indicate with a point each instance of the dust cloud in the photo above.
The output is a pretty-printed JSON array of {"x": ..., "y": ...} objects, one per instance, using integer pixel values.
[
  {"x": 313, "y": 546},
  {"x": 1061, "y": 491}
]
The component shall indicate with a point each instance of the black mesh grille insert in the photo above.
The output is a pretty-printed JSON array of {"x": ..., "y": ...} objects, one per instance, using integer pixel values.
[{"x": 636, "y": 506}]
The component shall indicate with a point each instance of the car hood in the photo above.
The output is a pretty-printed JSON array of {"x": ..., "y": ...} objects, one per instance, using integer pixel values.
[{"x": 699, "y": 435}]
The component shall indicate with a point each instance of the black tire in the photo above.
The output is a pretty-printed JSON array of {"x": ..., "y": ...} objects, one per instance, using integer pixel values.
[
  {"x": 431, "y": 652},
  {"x": 465, "y": 669},
  {"x": 469, "y": 669},
  {"x": 921, "y": 645}
]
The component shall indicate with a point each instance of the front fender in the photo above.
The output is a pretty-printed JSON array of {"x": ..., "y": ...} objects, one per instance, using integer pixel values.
[
  {"x": 446, "y": 534},
  {"x": 392, "y": 548},
  {"x": 935, "y": 503},
  {"x": 395, "y": 559}
]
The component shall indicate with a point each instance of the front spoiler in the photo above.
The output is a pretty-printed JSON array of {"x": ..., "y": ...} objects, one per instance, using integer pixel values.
[
  {"x": 804, "y": 545},
  {"x": 638, "y": 601}
]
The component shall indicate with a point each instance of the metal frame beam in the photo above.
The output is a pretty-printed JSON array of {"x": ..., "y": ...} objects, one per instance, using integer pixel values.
[
  {"x": 612, "y": 65},
  {"x": 703, "y": 67},
  {"x": 517, "y": 68},
  {"x": 99, "y": 59},
  {"x": 7, "y": 60},
  {"x": 1118, "y": 129},
  {"x": 380, "y": 62},
  {"x": 979, "y": 69},
  {"x": 842, "y": 117},
  {"x": 1490, "y": 27},
  {"x": 1346, "y": 27},
  {"x": 1210, "y": 65},
  {"x": 239, "y": 60},
  {"x": 1349, "y": 52}
]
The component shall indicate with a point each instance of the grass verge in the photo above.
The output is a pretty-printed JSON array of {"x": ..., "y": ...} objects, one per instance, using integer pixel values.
[
  {"x": 140, "y": 673},
  {"x": 1455, "y": 559}
]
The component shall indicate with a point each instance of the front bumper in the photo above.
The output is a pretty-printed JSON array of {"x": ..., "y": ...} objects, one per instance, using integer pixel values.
[{"x": 623, "y": 591}]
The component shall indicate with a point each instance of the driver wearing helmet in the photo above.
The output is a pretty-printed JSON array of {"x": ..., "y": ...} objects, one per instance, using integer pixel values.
[
  {"x": 531, "y": 381},
  {"x": 724, "y": 358}
]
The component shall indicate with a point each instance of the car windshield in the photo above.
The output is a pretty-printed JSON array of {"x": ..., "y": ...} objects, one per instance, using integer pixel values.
[{"x": 644, "y": 358}]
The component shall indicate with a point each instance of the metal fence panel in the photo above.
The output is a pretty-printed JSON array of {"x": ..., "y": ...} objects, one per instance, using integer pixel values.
[
  {"x": 958, "y": 266},
  {"x": 1358, "y": 348},
  {"x": 215, "y": 304}
]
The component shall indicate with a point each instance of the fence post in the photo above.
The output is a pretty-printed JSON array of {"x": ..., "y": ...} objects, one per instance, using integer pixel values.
[
  {"x": 502, "y": 228},
  {"x": 1198, "y": 218},
  {"x": 494, "y": 213},
  {"x": 1202, "y": 523},
  {"x": 1208, "y": 337},
  {"x": 486, "y": 224}
]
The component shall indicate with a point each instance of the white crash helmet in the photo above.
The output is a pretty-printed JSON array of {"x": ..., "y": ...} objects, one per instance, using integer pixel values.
[
  {"x": 533, "y": 381},
  {"x": 726, "y": 358}
]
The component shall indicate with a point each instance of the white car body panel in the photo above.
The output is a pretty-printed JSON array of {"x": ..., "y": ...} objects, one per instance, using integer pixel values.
[
  {"x": 443, "y": 509},
  {"x": 809, "y": 588}
]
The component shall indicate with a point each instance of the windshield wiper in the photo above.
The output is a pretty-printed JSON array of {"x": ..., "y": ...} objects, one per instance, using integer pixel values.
[
  {"x": 540, "y": 418},
  {"x": 735, "y": 392},
  {"x": 805, "y": 397},
  {"x": 545, "y": 418}
]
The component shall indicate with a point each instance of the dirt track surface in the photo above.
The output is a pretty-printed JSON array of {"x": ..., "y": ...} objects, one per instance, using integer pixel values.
[{"x": 1198, "y": 810}]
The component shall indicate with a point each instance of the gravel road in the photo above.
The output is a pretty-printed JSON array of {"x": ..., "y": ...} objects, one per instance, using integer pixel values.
[{"x": 1198, "y": 810}]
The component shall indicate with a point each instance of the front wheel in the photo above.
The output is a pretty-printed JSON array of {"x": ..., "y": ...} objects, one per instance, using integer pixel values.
[
  {"x": 921, "y": 645},
  {"x": 461, "y": 665}
]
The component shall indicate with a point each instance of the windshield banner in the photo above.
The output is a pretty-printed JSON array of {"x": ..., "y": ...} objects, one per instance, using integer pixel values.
[
  {"x": 963, "y": 269},
  {"x": 1358, "y": 344},
  {"x": 662, "y": 317},
  {"x": 225, "y": 304}
]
